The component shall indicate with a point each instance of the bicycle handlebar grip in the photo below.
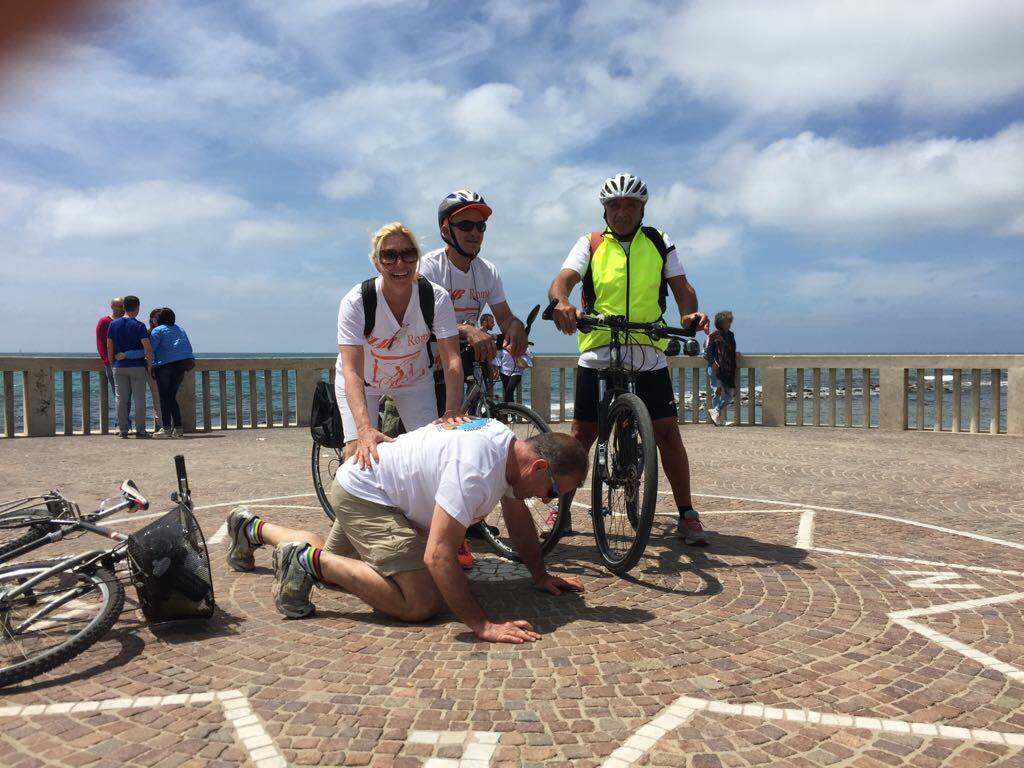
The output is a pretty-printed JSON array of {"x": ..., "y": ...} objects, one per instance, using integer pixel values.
[
  {"x": 550, "y": 311},
  {"x": 179, "y": 469}
]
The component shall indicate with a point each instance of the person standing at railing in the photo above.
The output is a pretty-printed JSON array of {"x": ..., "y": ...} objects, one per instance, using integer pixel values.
[
  {"x": 628, "y": 270},
  {"x": 129, "y": 351},
  {"x": 173, "y": 358},
  {"x": 116, "y": 311},
  {"x": 720, "y": 353},
  {"x": 511, "y": 371},
  {"x": 154, "y": 391}
]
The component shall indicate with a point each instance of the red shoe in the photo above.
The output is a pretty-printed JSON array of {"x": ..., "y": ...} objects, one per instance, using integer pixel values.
[{"x": 466, "y": 558}]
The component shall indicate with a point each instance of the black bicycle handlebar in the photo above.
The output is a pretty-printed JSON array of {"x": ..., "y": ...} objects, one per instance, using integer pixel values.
[{"x": 617, "y": 322}]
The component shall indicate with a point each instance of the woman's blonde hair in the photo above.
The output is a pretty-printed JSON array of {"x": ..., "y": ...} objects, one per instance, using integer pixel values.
[{"x": 394, "y": 228}]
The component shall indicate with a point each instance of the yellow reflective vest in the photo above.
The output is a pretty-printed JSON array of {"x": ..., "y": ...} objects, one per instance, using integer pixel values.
[{"x": 617, "y": 284}]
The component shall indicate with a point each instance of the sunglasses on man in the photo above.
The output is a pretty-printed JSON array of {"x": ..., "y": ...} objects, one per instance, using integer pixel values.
[
  {"x": 553, "y": 491},
  {"x": 392, "y": 255},
  {"x": 469, "y": 226}
]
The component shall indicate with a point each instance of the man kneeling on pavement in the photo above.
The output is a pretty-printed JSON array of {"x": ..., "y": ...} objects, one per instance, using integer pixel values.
[{"x": 399, "y": 523}]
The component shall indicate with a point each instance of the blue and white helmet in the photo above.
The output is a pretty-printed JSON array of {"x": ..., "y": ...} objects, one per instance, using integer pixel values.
[
  {"x": 623, "y": 185},
  {"x": 459, "y": 200}
]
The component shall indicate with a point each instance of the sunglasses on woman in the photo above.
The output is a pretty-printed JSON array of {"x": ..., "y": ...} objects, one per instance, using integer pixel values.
[
  {"x": 392, "y": 255},
  {"x": 469, "y": 226}
]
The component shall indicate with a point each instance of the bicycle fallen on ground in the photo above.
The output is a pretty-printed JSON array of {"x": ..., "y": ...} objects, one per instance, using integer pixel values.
[{"x": 52, "y": 610}]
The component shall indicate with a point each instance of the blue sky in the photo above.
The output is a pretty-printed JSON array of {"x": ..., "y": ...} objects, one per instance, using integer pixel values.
[{"x": 844, "y": 176}]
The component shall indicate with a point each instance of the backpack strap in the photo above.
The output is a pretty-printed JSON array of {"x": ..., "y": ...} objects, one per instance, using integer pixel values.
[
  {"x": 427, "y": 308},
  {"x": 368, "y": 292},
  {"x": 589, "y": 293},
  {"x": 656, "y": 237}
]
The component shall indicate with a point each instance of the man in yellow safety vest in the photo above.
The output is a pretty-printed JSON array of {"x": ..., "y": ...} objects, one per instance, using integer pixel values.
[{"x": 627, "y": 270}]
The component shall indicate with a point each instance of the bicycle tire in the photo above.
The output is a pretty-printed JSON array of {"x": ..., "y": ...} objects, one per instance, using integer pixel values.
[
  {"x": 112, "y": 602},
  {"x": 33, "y": 533},
  {"x": 501, "y": 543},
  {"x": 471, "y": 404},
  {"x": 324, "y": 463},
  {"x": 625, "y": 406}
]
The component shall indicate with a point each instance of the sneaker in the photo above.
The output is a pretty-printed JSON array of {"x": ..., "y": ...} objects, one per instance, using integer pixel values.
[
  {"x": 466, "y": 558},
  {"x": 292, "y": 584},
  {"x": 123, "y": 435},
  {"x": 550, "y": 521},
  {"x": 143, "y": 435},
  {"x": 176, "y": 432},
  {"x": 162, "y": 434},
  {"x": 713, "y": 415},
  {"x": 240, "y": 551},
  {"x": 690, "y": 529},
  {"x": 476, "y": 530}
]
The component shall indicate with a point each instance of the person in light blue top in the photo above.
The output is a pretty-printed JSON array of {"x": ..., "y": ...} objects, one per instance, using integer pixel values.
[{"x": 172, "y": 359}]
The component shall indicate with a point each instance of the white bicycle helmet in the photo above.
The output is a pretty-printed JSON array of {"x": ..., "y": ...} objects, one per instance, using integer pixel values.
[
  {"x": 460, "y": 200},
  {"x": 623, "y": 185}
]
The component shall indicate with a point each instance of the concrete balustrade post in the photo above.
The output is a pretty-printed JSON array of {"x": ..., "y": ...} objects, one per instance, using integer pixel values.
[
  {"x": 39, "y": 403},
  {"x": 892, "y": 399},
  {"x": 773, "y": 397},
  {"x": 187, "y": 401},
  {"x": 305, "y": 383},
  {"x": 540, "y": 389},
  {"x": 1015, "y": 401}
]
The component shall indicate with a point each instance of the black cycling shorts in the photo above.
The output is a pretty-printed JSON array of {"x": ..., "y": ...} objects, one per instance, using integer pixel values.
[{"x": 654, "y": 388}]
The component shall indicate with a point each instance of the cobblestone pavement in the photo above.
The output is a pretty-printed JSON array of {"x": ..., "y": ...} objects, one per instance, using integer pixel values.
[{"x": 838, "y": 618}]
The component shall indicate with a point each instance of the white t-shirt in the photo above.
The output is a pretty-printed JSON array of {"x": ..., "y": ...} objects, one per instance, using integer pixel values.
[
  {"x": 470, "y": 291},
  {"x": 395, "y": 354},
  {"x": 461, "y": 467},
  {"x": 634, "y": 356}
]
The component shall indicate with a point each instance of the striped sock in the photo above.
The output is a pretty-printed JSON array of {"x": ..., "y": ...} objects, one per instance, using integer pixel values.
[
  {"x": 309, "y": 559},
  {"x": 254, "y": 531}
]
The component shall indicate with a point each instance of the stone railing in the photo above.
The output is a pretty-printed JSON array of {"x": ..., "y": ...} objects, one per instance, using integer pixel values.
[
  {"x": 952, "y": 393},
  {"x": 901, "y": 392},
  {"x": 57, "y": 393}
]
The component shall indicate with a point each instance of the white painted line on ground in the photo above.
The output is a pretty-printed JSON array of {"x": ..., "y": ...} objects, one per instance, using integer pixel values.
[
  {"x": 805, "y": 533},
  {"x": 936, "y": 580},
  {"x": 960, "y": 605},
  {"x": 219, "y": 534},
  {"x": 248, "y": 729},
  {"x": 478, "y": 747},
  {"x": 253, "y": 501},
  {"x": 916, "y": 561},
  {"x": 644, "y": 739},
  {"x": 990, "y": 662},
  {"x": 875, "y": 515}
]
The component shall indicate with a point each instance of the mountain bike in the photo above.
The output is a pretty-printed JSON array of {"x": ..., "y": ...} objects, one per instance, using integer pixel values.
[
  {"x": 624, "y": 477},
  {"x": 53, "y": 610}
]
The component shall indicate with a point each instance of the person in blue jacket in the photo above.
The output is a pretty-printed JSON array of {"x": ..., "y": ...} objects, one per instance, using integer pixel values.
[{"x": 172, "y": 358}]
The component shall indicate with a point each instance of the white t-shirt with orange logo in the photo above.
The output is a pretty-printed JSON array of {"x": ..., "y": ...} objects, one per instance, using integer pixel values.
[
  {"x": 470, "y": 291},
  {"x": 395, "y": 353}
]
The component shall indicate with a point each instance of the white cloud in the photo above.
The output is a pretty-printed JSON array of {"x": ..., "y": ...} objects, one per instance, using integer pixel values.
[
  {"x": 487, "y": 114},
  {"x": 517, "y": 17},
  {"x": 346, "y": 184},
  {"x": 132, "y": 210},
  {"x": 272, "y": 232},
  {"x": 829, "y": 188},
  {"x": 676, "y": 206},
  {"x": 709, "y": 241},
  {"x": 801, "y": 56}
]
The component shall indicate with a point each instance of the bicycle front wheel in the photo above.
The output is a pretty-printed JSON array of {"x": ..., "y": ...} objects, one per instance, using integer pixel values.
[
  {"x": 625, "y": 484},
  {"x": 525, "y": 423},
  {"x": 324, "y": 464},
  {"x": 56, "y": 619}
]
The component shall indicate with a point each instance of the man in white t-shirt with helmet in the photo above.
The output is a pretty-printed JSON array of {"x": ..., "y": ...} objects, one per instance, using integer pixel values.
[
  {"x": 627, "y": 270},
  {"x": 399, "y": 523}
]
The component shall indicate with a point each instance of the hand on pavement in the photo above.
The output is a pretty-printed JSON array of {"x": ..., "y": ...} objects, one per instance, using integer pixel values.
[
  {"x": 516, "y": 632},
  {"x": 555, "y": 584}
]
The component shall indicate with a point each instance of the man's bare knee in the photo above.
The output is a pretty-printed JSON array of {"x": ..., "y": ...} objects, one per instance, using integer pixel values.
[{"x": 422, "y": 598}]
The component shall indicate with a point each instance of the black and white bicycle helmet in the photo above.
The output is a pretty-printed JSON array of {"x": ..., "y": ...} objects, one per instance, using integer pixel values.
[
  {"x": 623, "y": 185},
  {"x": 459, "y": 200}
]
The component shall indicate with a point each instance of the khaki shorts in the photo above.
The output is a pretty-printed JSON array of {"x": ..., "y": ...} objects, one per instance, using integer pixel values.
[{"x": 380, "y": 536}]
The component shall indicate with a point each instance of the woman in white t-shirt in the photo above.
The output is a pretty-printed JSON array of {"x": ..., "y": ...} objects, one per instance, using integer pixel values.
[{"x": 394, "y": 359}]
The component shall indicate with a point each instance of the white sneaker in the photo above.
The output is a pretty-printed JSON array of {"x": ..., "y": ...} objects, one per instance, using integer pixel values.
[
  {"x": 176, "y": 432},
  {"x": 162, "y": 434},
  {"x": 715, "y": 418}
]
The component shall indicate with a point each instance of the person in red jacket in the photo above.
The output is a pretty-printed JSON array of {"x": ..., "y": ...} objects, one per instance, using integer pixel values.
[{"x": 116, "y": 311}]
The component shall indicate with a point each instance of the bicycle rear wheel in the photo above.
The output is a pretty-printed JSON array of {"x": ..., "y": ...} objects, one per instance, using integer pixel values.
[
  {"x": 625, "y": 484},
  {"x": 525, "y": 423},
  {"x": 324, "y": 464},
  {"x": 57, "y": 619}
]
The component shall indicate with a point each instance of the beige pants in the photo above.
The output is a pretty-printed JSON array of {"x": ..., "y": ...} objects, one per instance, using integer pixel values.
[{"x": 380, "y": 536}]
